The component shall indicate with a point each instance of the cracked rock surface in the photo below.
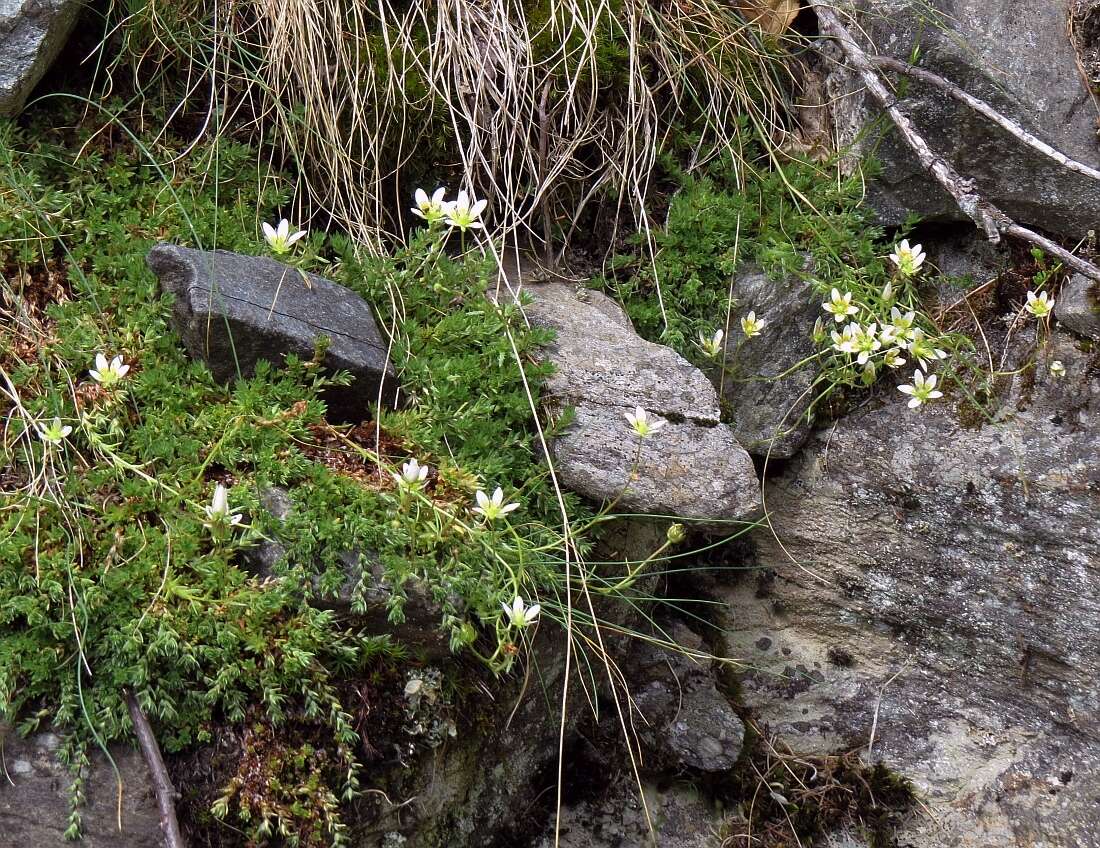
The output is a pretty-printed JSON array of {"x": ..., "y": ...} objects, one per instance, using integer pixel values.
[
  {"x": 32, "y": 32},
  {"x": 693, "y": 467}
]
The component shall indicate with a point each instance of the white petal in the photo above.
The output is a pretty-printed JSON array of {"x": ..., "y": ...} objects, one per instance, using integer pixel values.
[
  {"x": 914, "y": 403},
  {"x": 284, "y": 229},
  {"x": 532, "y": 612},
  {"x": 269, "y": 231},
  {"x": 437, "y": 197},
  {"x": 908, "y": 390},
  {"x": 101, "y": 362},
  {"x": 478, "y": 208},
  {"x": 421, "y": 198},
  {"x": 498, "y": 497},
  {"x": 482, "y": 499},
  {"x": 295, "y": 237}
]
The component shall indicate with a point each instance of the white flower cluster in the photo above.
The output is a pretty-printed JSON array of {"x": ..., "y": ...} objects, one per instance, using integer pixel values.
[
  {"x": 873, "y": 342},
  {"x": 463, "y": 213}
]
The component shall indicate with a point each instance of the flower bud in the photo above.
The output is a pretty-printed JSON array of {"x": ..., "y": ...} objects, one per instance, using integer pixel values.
[{"x": 676, "y": 534}]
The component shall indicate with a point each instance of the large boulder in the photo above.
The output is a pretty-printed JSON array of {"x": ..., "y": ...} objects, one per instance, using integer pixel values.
[
  {"x": 931, "y": 595},
  {"x": 1078, "y": 306},
  {"x": 32, "y": 33},
  {"x": 693, "y": 467},
  {"x": 768, "y": 411},
  {"x": 35, "y": 797},
  {"x": 1016, "y": 55},
  {"x": 232, "y": 311}
]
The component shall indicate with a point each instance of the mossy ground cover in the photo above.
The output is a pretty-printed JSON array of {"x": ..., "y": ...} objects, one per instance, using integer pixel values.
[{"x": 110, "y": 577}]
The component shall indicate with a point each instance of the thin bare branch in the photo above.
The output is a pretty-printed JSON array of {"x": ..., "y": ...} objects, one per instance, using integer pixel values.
[
  {"x": 162, "y": 783},
  {"x": 984, "y": 109},
  {"x": 984, "y": 214}
]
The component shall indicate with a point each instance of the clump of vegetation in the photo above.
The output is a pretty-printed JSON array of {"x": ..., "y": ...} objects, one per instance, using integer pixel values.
[{"x": 133, "y": 482}]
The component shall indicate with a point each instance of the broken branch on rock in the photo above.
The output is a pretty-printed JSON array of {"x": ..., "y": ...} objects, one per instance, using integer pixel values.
[
  {"x": 162, "y": 783},
  {"x": 987, "y": 111},
  {"x": 984, "y": 214}
]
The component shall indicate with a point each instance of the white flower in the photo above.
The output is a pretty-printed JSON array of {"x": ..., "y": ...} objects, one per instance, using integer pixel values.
[
  {"x": 840, "y": 306},
  {"x": 908, "y": 259},
  {"x": 640, "y": 423},
  {"x": 495, "y": 507},
  {"x": 108, "y": 373},
  {"x": 751, "y": 325},
  {"x": 922, "y": 390},
  {"x": 464, "y": 213},
  {"x": 923, "y": 350},
  {"x": 866, "y": 343},
  {"x": 218, "y": 514},
  {"x": 846, "y": 342},
  {"x": 1040, "y": 306},
  {"x": 412, "y": 475},
  {"x": 55, "y": 432},
  {"x": 893, "y": 359},
  {"x": 712, "y": 346},
  {"x": 888, "y": 292},
  {"x": 432, "y": 209},
  {"x": 521, "y": 616},
  {"x": 900, "y": 329},
  {"x": 1057, "y": 369},
  {"x": 280, "y": 239}
]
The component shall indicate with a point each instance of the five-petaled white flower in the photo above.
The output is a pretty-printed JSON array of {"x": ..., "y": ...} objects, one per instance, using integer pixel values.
[
  {"x": 640, "y": 423},
  {"x": 751, "y": 325},
  {"x": 1040, "y": 306},
  {"x": 846, "y": 342},
  {"x": 280, "y": 239},
  {"x": 494, "y": 507},
  {"x": 712, "y": 346},
  {"x": 412, "y": 475},
  {"x": 55, "y": 432},
  {"x": 108, "y": 373},
  {"x": 520, "y": 616},
  {"x": 908, "y": 259},
  {"x": 900, "y": 329},
  {"x": 218, "y": 515},
  {"x": 840, "y": 305},
  {"x": 866, "y": 343},
  {"x": 1057, "y": 369},
  {"x": 432, "y": 209},
  {"x": 464, "y": 212},
  {"x": 922, "y": 390}
]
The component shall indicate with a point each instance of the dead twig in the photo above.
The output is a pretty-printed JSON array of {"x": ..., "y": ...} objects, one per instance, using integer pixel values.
[
  {"x": 162, "y": 783},
  {"x": 987, "y": 111},
  {"x": 984, "y": 214}
]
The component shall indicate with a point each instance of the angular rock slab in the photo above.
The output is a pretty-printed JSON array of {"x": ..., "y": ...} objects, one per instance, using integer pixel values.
[
  {"x": 1078, "y": 306},
  {"x": 1015, "y": 55},
  {"x": 34, "y": 805},
  {"x": 235, "y": 310},
  {"x": 32, "y": 33},
  {"x": 693, "y": 468},
  {"x": 946, "y": 593},
  {"x": 769, "y": 414}
]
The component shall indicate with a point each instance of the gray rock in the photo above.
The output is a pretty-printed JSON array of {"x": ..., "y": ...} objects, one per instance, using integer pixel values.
[
  {"x": 32, "y": 33},
  {"x": 769, "y": 415},
  {"x": 938, "y": 586},
  {"x": 686, "y": 723},
  {"x": 366, "y": 601},
  {"x": 1016, "y": 55},
  {"x": 1078, "y": 306},
  {"x": 35, "y": 797},
  {"x": 693, "y": 467},
  {"x": 232, "y": 311}
]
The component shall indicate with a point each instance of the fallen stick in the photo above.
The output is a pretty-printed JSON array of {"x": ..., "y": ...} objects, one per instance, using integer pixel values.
[
  {"x": 984, "y": 214},
  {"x": 162, "y": 783},
  {"x": 987, "y": 111}
]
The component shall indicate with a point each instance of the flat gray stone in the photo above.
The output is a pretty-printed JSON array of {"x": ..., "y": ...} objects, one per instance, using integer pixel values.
[
  {"x": 32, "y": 33},
  {"x": 768, "y": 414},
  {"x": 1078, "y": 306},
  {"x": 233, "y": 311},
  {"x": 692, "y": 468}
]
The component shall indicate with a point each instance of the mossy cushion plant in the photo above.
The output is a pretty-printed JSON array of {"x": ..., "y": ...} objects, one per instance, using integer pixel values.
[{"x": 130, "y": 494}]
